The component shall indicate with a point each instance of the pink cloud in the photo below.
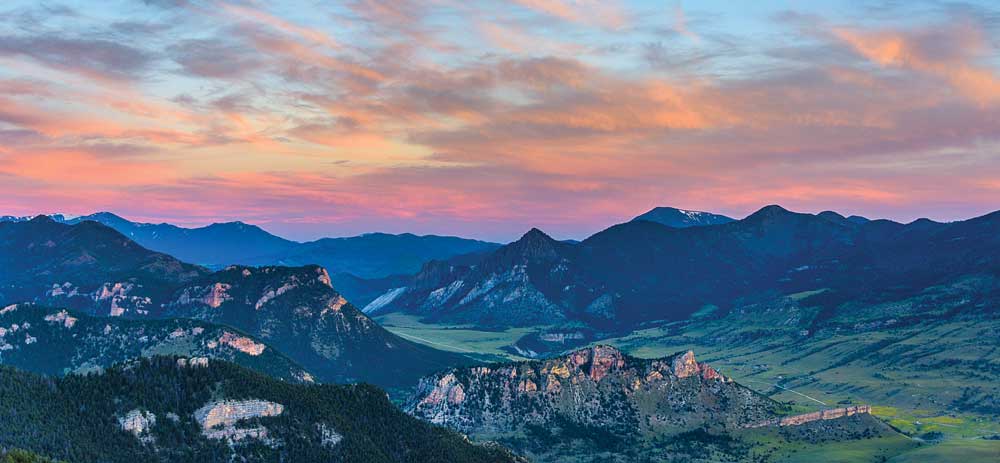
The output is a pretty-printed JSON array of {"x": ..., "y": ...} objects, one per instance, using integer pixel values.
[{"x": 428, "y": 116}]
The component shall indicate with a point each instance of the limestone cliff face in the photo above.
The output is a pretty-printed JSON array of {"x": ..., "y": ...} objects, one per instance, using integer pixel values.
[
  {"x": 596, "y": 387},
  {"x": 221, "y": 419},
  {"x": 822, "y": 415},
  {"x": 138, "y": 422}
]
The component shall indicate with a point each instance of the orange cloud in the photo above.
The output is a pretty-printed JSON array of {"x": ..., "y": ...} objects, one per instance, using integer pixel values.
[
  {"x": 426, "y": 115},
  {"x": 602, "y": 13},
  {"x": 68, "y": 168},
  {"x": 901, "y": 50}
]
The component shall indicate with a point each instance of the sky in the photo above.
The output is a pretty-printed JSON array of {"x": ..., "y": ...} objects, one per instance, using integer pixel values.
[{"x": 486, "y": 118}]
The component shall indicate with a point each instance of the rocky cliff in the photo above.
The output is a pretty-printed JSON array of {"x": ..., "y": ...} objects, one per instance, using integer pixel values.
[
  {"x": 597, "y": 389},
  {"x": 57, "y": 341},
  {"x": 297, "y": 310},
  {"x": 822, "y": 415},
  {"x": 225, "y": 420}
]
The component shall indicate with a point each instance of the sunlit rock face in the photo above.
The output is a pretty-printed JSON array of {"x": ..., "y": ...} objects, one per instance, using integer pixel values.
[
  {"x": 62, "y": 317},
  {"x": 221, "y": 419},
  {"x": 213, "y": 295},
  {"x": 685, "y": 365},
  {"x": 113, "y": 299},
  {"x": 822, "y": 415},
  {"x": 242, "y": 343},
  {"x": 598, "y": 387}
]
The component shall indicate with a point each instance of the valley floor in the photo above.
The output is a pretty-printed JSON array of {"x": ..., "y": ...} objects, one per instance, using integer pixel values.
[{"x": 924, "y": 380}]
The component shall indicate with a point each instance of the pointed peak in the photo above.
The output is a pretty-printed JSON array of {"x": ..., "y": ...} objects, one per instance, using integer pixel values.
[
  {"x": 534, "y": 245},
  {"x": 772, "y": 211},
  {"x": 535, "y": 233},
  {"x": 534, "y": 237}
]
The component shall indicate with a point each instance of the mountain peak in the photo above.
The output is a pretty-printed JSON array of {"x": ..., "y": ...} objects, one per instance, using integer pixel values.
[
  {"x": 42, "y": 218},
  {"x": 535, "y": 234},
  {"x": 682, "y": 218},
  {"x": 534, "y": 241},
  {"x": 770, "y": 212},
  {"x": 534, "y": 246},
  {"x": 107, "y": 218},
  {"x": 773, "y": 209}
]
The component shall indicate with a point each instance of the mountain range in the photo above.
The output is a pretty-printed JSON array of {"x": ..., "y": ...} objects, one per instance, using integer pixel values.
[
  {"x": 93, "y": 269},
  {"x": 640, "y": 271},
  {"x": 372, "y": 255},
  {"x": 809, "y": 308}
]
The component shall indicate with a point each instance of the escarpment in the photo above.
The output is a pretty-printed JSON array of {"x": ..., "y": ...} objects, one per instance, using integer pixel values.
[
  {"x": 597, "y": 387},
  {"x": 822, "y": 415}
]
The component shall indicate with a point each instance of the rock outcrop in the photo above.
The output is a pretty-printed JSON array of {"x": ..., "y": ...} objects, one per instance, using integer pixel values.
[
  {"x": 212, "y": 295},
  {"x": 56, "y": 341},
  {"x": 295, "y": 311},
  {"x": 328, "y": 437},
  {"x": 241, "y": 343},
  {"x": 138, "y": 422},
  {"x": 62, "y": 317},
  {"x": 685, "y": 365},
  {"x": 798, "y": 420},
  {"x": 220, "y": 420},
  {"x": 598, "y": 387}
]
